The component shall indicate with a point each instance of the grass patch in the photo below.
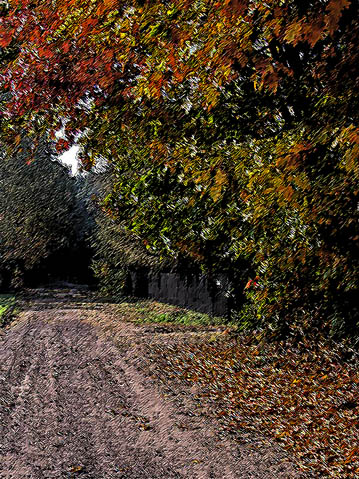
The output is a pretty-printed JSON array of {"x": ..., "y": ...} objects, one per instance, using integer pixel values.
[
  {"x": 7, "y": 308},
  {"x": 138, "y": 310},
  {"x": 149, "y": 311}
]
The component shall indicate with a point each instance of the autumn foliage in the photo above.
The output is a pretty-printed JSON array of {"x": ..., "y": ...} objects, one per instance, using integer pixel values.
[
  {"x": 232, "y": 127},
  {"x": 304, "y": 397}
]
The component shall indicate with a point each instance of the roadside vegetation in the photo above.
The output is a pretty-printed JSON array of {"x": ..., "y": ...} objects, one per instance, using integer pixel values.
[
  {"x": 150, "y": 311},
  {"x": 7, "y": 308}
]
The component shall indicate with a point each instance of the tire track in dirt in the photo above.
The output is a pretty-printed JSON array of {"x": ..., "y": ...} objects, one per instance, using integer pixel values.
[{"x": 73, "y": 405}]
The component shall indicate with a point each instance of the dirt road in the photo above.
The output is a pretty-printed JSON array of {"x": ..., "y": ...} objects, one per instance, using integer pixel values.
[{"x": 76, "y": 401}]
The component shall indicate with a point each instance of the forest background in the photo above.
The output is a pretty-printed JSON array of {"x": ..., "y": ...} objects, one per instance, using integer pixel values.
[{"x": 219, "y": 136}]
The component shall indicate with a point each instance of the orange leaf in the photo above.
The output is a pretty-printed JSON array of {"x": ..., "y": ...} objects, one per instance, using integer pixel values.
[{"x": 335, "y": 8}]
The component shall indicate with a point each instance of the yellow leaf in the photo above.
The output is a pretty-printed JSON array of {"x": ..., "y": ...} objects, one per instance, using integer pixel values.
[
  {"x": 221, "y": 178},
  {"x": 220, "y": 181},
  {"x": 76, "y": 469},
  {"x": 215, "y": 193},
  {"x": 293, "y": 33}
]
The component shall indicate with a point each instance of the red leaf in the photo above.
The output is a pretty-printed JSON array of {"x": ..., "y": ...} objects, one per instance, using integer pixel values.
[
  {"x": 66, "y": 47},
  {"x": 62, "y": 145}
]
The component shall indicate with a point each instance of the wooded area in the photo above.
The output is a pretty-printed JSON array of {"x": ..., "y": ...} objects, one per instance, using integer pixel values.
[{"x": 230, "y": 131}]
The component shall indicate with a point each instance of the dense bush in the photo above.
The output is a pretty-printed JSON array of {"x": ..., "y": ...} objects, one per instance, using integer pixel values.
[{"x": 116, "y": 251}]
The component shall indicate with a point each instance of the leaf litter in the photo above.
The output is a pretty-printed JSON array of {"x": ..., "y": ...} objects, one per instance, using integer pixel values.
[{"x": 305, "y": 395}]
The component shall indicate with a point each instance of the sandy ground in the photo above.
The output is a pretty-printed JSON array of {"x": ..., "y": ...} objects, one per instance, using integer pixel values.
[{"x": 78, "y": 400}]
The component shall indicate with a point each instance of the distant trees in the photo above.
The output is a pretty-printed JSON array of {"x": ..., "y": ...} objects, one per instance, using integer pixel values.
[
  {"x": 40, "y": 216},
  {"x": 232, "y": 128}
]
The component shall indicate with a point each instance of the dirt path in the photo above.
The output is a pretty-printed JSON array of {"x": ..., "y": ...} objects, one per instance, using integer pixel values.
[{"x": 77, "y": 401}]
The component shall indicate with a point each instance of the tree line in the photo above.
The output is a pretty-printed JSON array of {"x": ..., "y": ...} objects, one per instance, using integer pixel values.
[{"x": 230, "y": 130}]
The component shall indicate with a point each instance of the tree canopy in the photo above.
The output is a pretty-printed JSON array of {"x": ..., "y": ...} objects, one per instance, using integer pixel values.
[{"x": 232, "y": 128}]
